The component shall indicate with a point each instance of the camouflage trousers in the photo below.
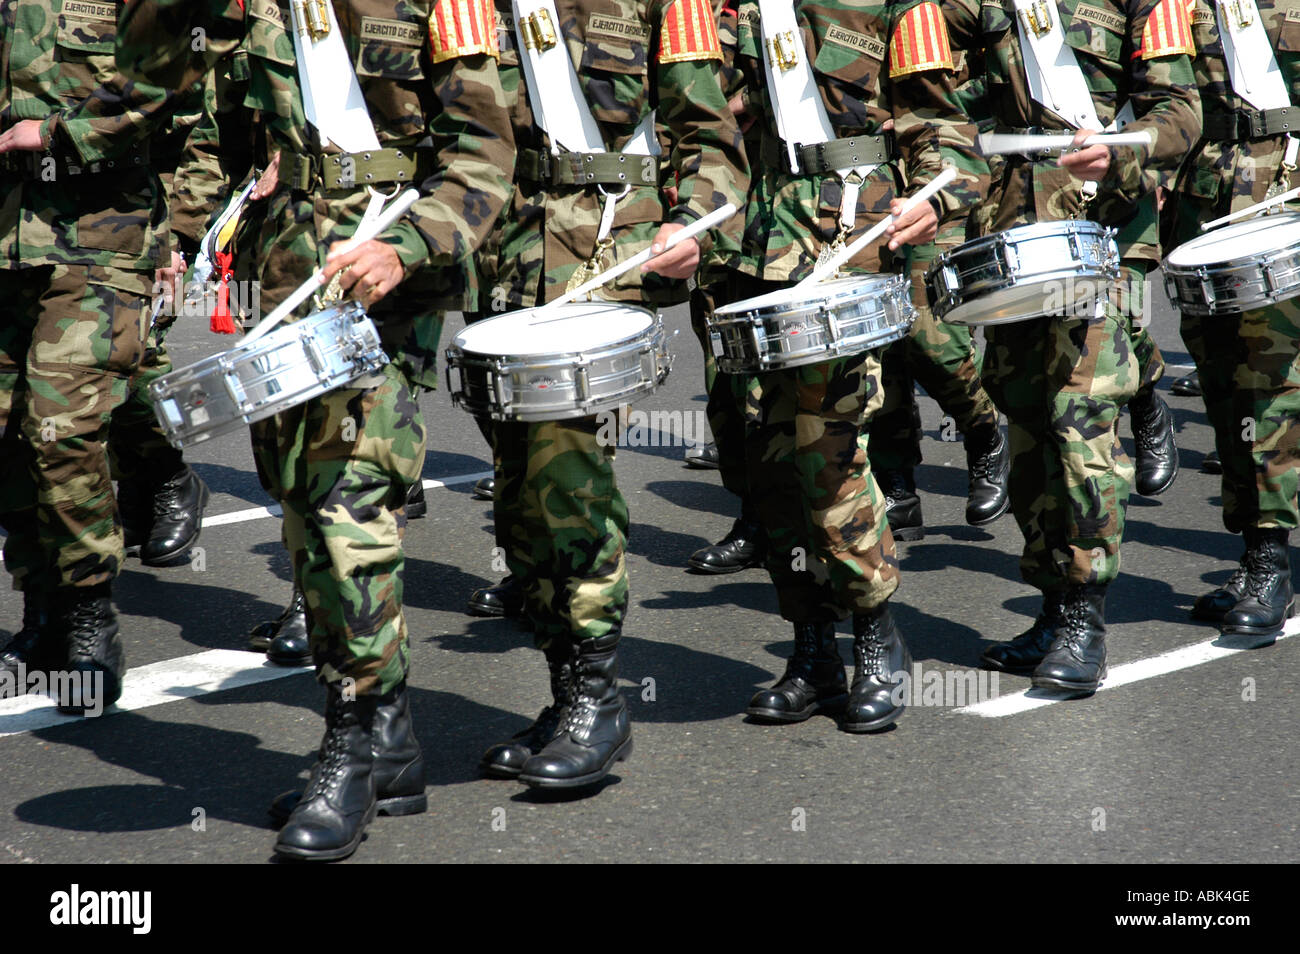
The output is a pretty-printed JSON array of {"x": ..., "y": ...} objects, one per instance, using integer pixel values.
[
  {"x": 1134, "y": 301},
  {"x": 137, "y": 449},
  {"x": 1062, "y": 383},
  {"x": 726, "y": 410},
  {"x": 72, "y": 337},
  {"x": 807, "y": 472},
  {"x": 341, "y": 465},
  {"x": 1249, "y": 367},
  {"x": 563, "y": 524}
]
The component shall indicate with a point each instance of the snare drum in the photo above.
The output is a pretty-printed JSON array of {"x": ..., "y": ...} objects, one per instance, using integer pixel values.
[
  {"x": 797, "y": 326},
  {"x": 1237, "y": 267},
  {"x": 1049, "y": 268},
  {"x": 277, "y": 371},
  {"x": 549, "y": 364}
]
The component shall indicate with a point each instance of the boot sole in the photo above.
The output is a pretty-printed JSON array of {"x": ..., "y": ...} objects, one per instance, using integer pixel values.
[
  {"x": 392, "y": 807},
  {"x": 781, "y": 717},
  {"x": 875, "y": 725},
  {"x": 1079, "y": 689},
  {"x": 701, "y": 465},
  {"x": 1002, "y": 512},
  {"x": 1271, "y": 633},
  {"x": 280, "y": 660},
  {"x": 908, "y": 534},
  {"x": 715, "y": 570},
  {"x": 993, "y": 666},
  {"x": 331, "y": 854},
  {"x": 539, "y": 781},
  {"x": 173, "y": 555},
  {"x": 491, "y": 612}
]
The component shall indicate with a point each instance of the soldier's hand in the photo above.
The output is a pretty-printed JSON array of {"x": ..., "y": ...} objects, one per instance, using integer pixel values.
[
  {"x": 1090, "y": 162},
  {"x": 680, "y": 261},
  {"x": 22, "y": 136},
  {"x": 268, "y": 180},
  {"x": 916, "y": 226},
  {"x": 738, "y": 109},
  {"x": 169, "y": 280},
  {"x": 370, "y": 271}
]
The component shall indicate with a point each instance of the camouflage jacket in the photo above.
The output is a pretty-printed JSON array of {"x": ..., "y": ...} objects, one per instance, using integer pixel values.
[
  {"x": 446, "y": 110},
  {"x": 617, "y": 48},
  {"x": 92, "y": 198},
  {"x": 1120, "y": 65},
  {"x": 1223, "y": 175},
  {"x": 866, "y": 89}
]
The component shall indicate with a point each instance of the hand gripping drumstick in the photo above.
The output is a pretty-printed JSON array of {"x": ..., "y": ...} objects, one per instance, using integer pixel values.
[
  {"x": 396, "y": 209},
  {"x": 716, "y": 217},
  {"x": 832, "y": 264},
  {"x": 1251, "y": 210},
  {"x": 1002, "y": 144}
]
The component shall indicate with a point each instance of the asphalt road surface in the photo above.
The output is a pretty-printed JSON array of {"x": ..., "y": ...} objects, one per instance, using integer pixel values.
[{"x": 1187, "y": 755}]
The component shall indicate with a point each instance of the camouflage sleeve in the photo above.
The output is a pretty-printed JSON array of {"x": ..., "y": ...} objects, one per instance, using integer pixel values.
[
  {"x": 1164, "y": 97},
  {"x": 962, "y": 18},
  {"x": 474, "y": 142},
  {"x": 708, "y": 154},
  {"x": 931, "y": 129},
  {"x": 116, "y": 114},
  {"x": 173, "y": 43}
]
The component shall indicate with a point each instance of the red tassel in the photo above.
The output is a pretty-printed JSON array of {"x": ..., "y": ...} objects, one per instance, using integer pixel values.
[{"x": 221, "y": 321}]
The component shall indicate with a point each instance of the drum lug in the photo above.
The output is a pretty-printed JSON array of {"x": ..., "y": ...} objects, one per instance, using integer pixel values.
[
  {"x": 1207, "y": 287},
  {"x": 500, "y": 384}
]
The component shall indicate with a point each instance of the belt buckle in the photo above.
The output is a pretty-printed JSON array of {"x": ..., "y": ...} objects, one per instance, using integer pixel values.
[
  {"x": 784, "y": 50},
  {"x": 539, "y": 31}
]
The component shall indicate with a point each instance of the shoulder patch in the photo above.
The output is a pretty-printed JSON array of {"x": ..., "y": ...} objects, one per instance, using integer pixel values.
[
  {"x": 461, "y": 28},
  {"x": 688, "y": 32},
  {"x": 1167, "y": 32},
  {"x": 920, "y": 42}
]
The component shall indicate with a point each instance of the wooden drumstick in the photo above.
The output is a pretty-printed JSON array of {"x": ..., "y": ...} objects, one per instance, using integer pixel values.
[
  {"x": 716, "y": 217},
  {"x": 396, "y": 209},
  {"x": 832, "y": 264}
]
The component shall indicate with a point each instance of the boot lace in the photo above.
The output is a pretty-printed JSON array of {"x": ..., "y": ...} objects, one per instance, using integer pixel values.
[
  {"x": 327, "y": 774},
  {"x": 1259, "y": 570},
  {"x": 168, "y": 498}
]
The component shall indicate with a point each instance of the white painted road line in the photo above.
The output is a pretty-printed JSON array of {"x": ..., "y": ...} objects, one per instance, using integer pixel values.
[
  {"x": 155, "y": 684},
  {"x": 1168, "y": 662}
]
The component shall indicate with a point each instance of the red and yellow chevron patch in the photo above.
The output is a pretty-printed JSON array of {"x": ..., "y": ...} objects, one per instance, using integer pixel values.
[
  {"x": 689, "y": 32},
  {"x": 1168, "y": 31},
  {"x": 920, "y": 42},
  {"x": 462, "y": 27}
]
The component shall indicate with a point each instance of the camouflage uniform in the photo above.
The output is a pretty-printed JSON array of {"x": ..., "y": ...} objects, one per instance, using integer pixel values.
[
  {"x": 1247, "y": 363},
  {"x": 82, "y": 228},
  {"x": 341, "y": 464},
  {"x": 1062, "y": 383},
  {"x": 831, "y": 553}
]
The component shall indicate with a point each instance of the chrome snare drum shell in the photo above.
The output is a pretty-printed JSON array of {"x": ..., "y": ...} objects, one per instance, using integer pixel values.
[
  {"x": 798, "y": 326},
  {"x": 1030, "y": 271},
  {"x": 495, "y": 367},
  {"x": 250, "y": 382},
  {"x": 1238, "y": 267}
]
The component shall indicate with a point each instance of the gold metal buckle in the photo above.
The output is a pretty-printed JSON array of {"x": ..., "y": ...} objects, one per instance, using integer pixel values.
[
  {"x": 1039, "y": 17},
  {"x": 785, "y": 50},
  {"x": 590, "y": 268},
  {"x": 313, "y": 18},
  {"x": 1240, "y": 14},
  {"x": 539, "y": 31}
]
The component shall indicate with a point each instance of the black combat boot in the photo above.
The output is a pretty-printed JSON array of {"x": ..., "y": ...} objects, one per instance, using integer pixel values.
[
  {"x": 36, "y": 646},
  {"x": 703, "y": 456},
  {"x": 340, "y": 798},
  {"x": 504, "y": 599},
  {"x": 135, "y": 508},
  {"x": 416, "y": 505},
  {"x": 594, "y": 730},
  {"x": 84, "y": 620},
  {"x": 506, "y": 759},
  {"x": 744, "y": 546},
  {"x": 988, "y": 463},
  {"x": 902, "y": 503},
  {"x": 881, "y": 659},
  {"x": 1076, "y": 660},
  {"x": 1153, "y": 436},
  {"x": 485, "y": 488},
  {"x": 291, "y": 624},
  {"x": 178, "y": 505},
  {"x": 398, "y": 765},
  {"x": 1022, "y": 655},
  {"x": 1189, "y": 386},
  {"x": 1211, "y": 463},
  {"x": 813, "y": 680},
  {"x": 1212, "y": 606},
  {"x": 1267, "y": 600}
]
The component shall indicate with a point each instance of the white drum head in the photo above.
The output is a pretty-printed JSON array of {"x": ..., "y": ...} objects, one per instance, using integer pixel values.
[
  {"x": 567, "y": 329},
  {"x": 1271, "y": 233},
  {"x": 795, "y": 296}
]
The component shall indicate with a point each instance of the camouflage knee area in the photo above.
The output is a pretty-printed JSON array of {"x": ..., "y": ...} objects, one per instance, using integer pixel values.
[
  {"x": 941, "y": 358},
  {"x": 137, "y": 448},
  {"x": 348, "y": 459}
]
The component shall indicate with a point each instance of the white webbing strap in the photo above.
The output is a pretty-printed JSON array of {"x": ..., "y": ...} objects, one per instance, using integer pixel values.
[
  {"x": 1053, "y": 73},
  {"x": 331, "y": 95}
]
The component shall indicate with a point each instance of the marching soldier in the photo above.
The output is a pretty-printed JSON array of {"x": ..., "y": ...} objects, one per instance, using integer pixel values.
[
  {"x": 830, "y": 168},
  {"x": 82, "y": 230},
  {"x": 630, "y": 65},
  {"x": 421, "y": 103},
  {"x": 1061, "y": 382},
  {"x": 1246, "y": 363}
]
